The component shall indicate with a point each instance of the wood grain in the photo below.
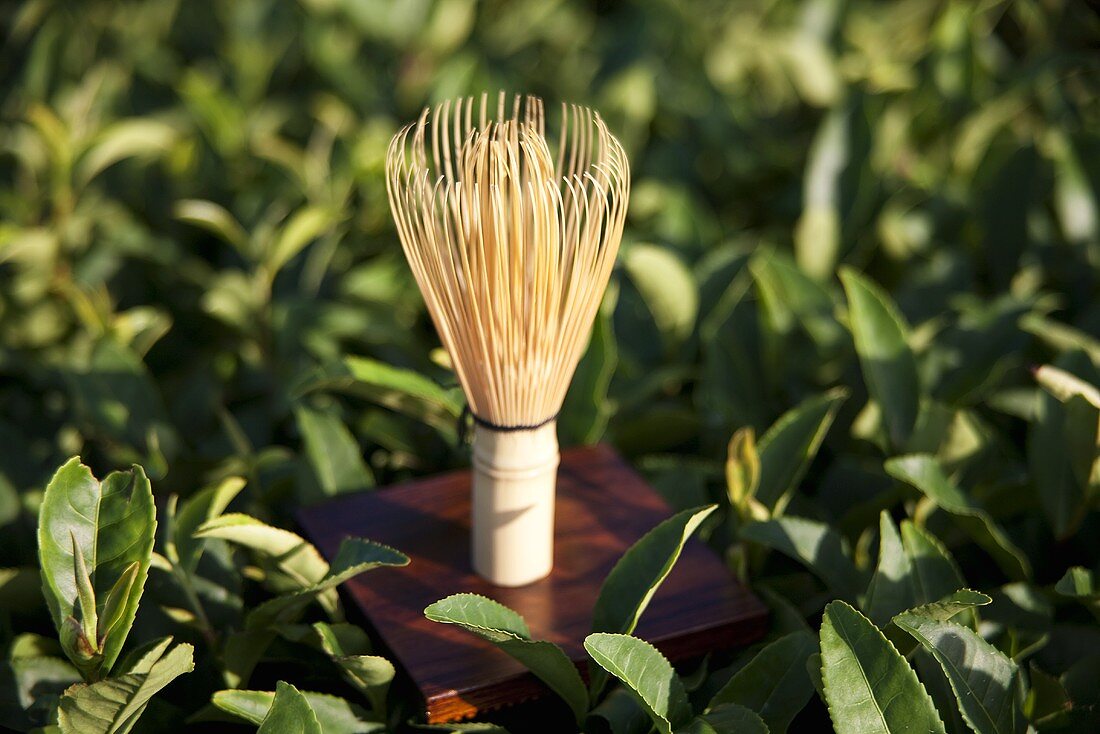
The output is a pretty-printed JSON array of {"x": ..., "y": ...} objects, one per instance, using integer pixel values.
[{"x": 603, "y": 507}]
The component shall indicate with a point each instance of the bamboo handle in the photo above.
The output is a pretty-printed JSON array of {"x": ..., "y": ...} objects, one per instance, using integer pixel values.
[{"x": 515, "y": 474}]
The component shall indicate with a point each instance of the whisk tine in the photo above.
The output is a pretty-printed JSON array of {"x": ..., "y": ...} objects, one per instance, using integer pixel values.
[{"x": 511, "y": 246}]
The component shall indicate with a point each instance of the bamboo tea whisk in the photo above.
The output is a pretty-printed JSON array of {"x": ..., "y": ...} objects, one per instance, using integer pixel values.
[{"x": 512, "y": 246}]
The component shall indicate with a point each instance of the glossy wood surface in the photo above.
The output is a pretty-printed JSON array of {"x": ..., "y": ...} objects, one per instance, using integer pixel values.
[{"x": 603, "y": 506}]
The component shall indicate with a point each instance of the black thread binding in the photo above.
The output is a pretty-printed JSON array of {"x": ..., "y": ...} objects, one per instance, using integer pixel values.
[
  {"x": 463, "y": 429},
  {"x": 509, "y": 429}
]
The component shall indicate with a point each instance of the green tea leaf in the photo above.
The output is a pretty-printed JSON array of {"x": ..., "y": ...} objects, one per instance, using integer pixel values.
[
  {"x": 814, "y": 544},
  {"x": 951, "y": 605},
  {"x": 668, "y": 289},
  {"x": 789, "y": 297},
  {"x": 125, "y": 139},
  {"x": 30, "y": 687},
  {"x": 304, "y": 226},
  {"x": 635, "y": 578},
  {"x": 334, "y": 714},
  {"x": 585, "y": 412},
  {"x": 113, "y": 524},
  {"x": 789, "y": 446},
  {"x": 197, "y": 509},
  {"x": 889, "y": 368},
  {"x": 115, "y": 605},
  {"x": 113, "y": 706},
  {"x": 729, "y": 718},
  {"x": 742, "y": 470},
  {"x": 1078, "y": 583},
  {"x": 403, "y": 390},
  {"x": 869, "y": 686},
  {"x": 216, "y": 220},
  {"x": 891, "y": 589},
  {"x": 506, "y": 629},
  {"x": 355, "y": 556},
  {"x": 333, "y": 451},
  {"x": 774, "y": 683},
  {"x": 295, "y": 556},
  {"x": 619, "y": 713},
  {"x": 646, "y": 673},
  {"x": 290, "y": 713},
  {"x": 347, "y": 645},
  {"x": 935, "y": 573},
  {"x": 924, "y": 472},
  {"x": 381, "y": 375},
  {"x": 982, "y": 677}
]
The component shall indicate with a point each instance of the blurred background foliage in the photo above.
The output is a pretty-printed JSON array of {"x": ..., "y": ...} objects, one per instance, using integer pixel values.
[
  {"x": 198, "y": 270},
  {"x": 195, "y": 231}
]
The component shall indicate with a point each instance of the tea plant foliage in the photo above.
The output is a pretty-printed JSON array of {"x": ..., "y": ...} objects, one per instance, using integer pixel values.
[
  {"x": 95, "y": 540},
  {"x": 855, "y": 311}
]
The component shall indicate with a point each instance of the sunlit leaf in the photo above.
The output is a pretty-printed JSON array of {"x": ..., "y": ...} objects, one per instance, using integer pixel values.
[
  {"x": 869, "y": 686},
  {"x": 646, "y": 673},
  {"x": 884, "y": 355},
  {"x": 504, "y": 628}
]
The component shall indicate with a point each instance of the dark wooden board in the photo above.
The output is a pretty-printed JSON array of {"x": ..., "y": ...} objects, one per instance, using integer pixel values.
[{"x": 602, "y": 508}]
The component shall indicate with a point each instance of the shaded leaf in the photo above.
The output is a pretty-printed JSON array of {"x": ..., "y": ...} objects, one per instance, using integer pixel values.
[
  {"x": 891, "y": 589},
  {"x": 924, "y": 472},
  {"x": 214, "y": 219},
  {"x": 584, "y": 415},
  {"x": 814, "y": 544},
  {"x": 789, "y": 446},
  {"x": 197, "y": 509},
  {"x": 354, "y": 557},
  {"x": 333, "y": 451},
  {"x": 775, "y": 683},
  {"x": 295, "y": 556},
  {"x": 304, "y": 226},
  {"x": 1063, "y": 442},
  {"x": 619, "y": 712},
  {"x": 982, "y": 677},
  {"x": 21, "y": 589},
  {"x": 30, "y": 686},
  {"x": 1078, "y": 583},
  {"x": 114, "y": 705},
  {"x": 729, "y": 718}
]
